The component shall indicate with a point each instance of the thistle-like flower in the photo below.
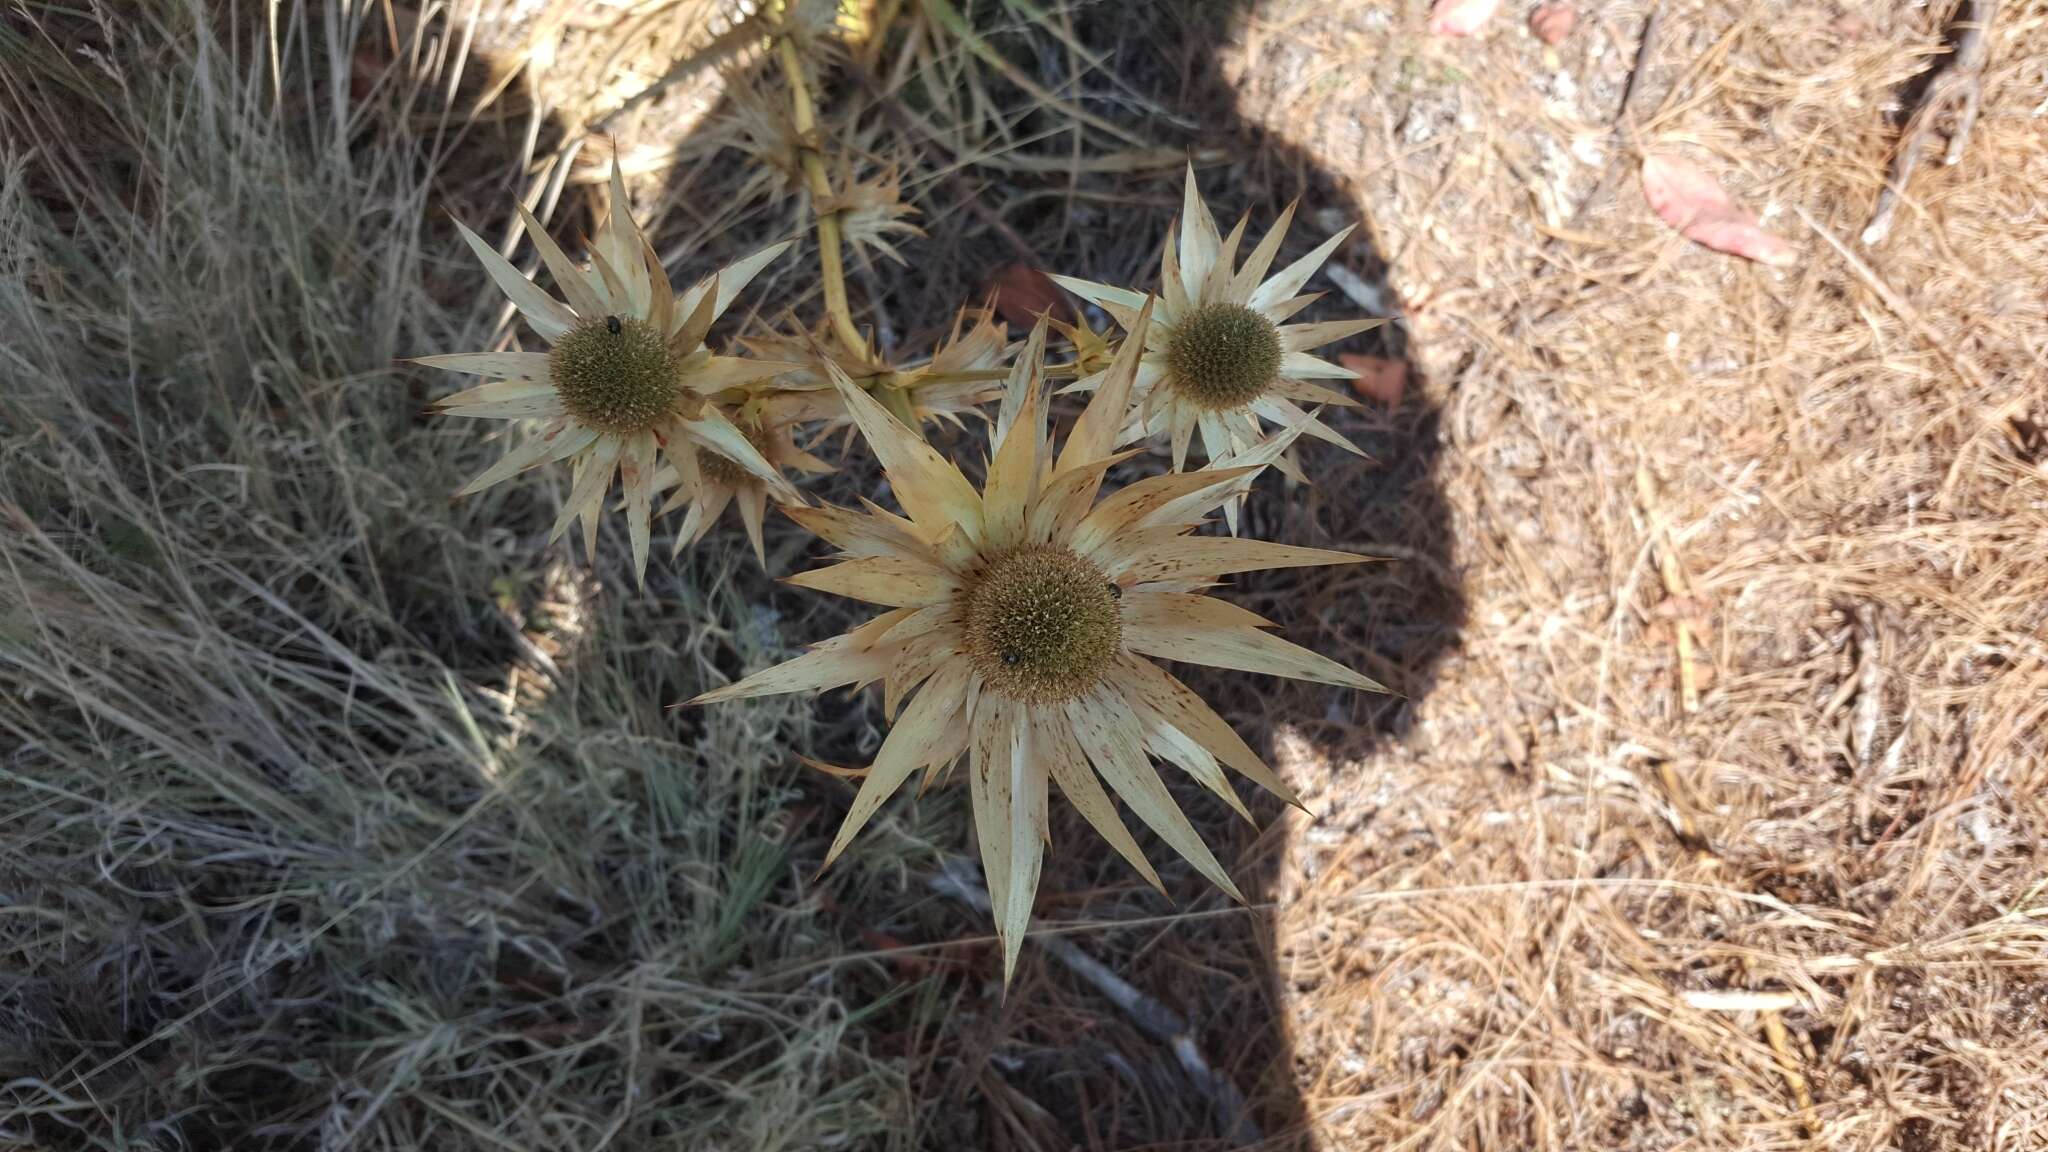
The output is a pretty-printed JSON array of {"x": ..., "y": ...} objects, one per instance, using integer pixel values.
[
  {"x": 871, "y": 212},
  {"x": 708, "y": 480},
  {"x": 1219, "y": 356},
  {"x": 1094, "y": 352},
  {"x": 625, "y": 377},
  {"x": 963, "y": 375},
  {"x": 1022, "y": 615}
]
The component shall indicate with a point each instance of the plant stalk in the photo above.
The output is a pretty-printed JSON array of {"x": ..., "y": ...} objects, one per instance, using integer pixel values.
[
  {"x": 909, "y": 376},
  {"x": 831, "y": 266}
]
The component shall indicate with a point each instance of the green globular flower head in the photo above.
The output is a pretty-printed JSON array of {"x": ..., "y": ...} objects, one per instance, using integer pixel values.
[
  {"x": 1042, "y": 624},
  {"x": 1223, "y": 356},
  {"x": 616, "y": 374}
]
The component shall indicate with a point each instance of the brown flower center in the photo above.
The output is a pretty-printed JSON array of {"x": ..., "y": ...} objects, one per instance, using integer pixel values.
[
  {"x": 1042, "y": 624},
  {"x": 723, "y": 470},
  {"x": 1223, "y": 356},
  {"x": 616, "y": 374}
]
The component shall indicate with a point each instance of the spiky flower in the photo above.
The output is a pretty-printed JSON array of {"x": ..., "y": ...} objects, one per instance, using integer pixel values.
[
  {"x": 871, "y": 212},
  {"x": 963, "y": 375},
  {"x": 821, "y": 27},
  {"x": 708, "y": 480},
  {"x": 757, "y": 124},
  {"x": 1094, "y": 352},
  {"x": 1021, "y": 615},
  {"x": 1220, "y": 357},
  {"x": 625, "y": 376}
]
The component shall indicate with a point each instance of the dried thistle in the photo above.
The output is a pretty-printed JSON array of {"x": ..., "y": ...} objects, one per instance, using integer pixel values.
[
  {"x": 626, "y": 376},
  {"x": 1020, "y": 615},
  {"x": 871, "y": 212},
  {"x": 1220, "y": 357},
  {"x": 708, "y": 480},
  {"x": 963, "y": 376}
]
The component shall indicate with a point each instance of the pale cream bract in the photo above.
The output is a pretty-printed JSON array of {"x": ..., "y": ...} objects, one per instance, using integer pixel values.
[
  {"x": 977, "y": 348},
  {"x": 708, "y": 481}
]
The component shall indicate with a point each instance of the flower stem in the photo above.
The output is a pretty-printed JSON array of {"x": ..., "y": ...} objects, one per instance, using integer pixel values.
[
  {"x": 831, "y": 266},
  {"x": 909, "y": 376}
]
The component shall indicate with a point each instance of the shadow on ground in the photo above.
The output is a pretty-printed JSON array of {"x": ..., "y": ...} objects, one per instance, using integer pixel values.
[
  {"x": 1053, "y": 1065},
  {"x": 1056, "y": 1064}
]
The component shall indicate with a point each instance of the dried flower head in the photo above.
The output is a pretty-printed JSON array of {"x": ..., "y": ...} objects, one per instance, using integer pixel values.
[
  {"x": 708, "y": 480},
  {"x": 1220, "y": 357},
  {"x": 758, "y": 125},
  {"x": 626, "y": 376},
  {"x": 1020, "y": 615},
  {"x": 1093, "y": 351},
  {"x": 820, "y": 28},
  {"x": 963, "y": 376},
  {"x": 871, "y": 212}
]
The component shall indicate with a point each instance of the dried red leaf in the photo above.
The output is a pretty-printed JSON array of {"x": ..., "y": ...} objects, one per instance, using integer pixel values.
[
  {"x": 366, "y": 66},
  {"x": 1023, "y": 293},
  {"x": 1460, "y": 17},
  {"x": 1551, "y": 23},
  {"x": 1378, "y": 378},
  {"x": 908, "y": 964},
  {"x": 1688, "y": 198}
]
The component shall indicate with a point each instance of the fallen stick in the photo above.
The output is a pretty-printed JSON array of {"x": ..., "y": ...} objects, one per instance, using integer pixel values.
[
  {"x": 1623, "y": 130},
  {"x": 1903, "y": 309},
  {"x": 1788, "y": 1066},
  {"x": 1153, "y": 1018},
  {"x": 1960, "y": 81}
]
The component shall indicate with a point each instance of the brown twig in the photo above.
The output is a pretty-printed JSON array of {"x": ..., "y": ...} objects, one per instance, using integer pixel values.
[
  {"x": 1959, "y": 82},
  {"x": 1153, "y": 1018},
  {"x": 1900, "y": 306},
  {"x": 1676, "y": 589},
  {"x": 1645, "y": 46},
  {"x": 1788, "y": 1066}
]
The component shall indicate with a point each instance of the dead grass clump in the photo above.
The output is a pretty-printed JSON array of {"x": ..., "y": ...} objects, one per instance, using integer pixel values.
[{"x": 335, "y": 817}]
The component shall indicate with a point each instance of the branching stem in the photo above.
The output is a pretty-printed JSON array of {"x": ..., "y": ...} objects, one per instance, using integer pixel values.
[{"x": 889, "y": 387}]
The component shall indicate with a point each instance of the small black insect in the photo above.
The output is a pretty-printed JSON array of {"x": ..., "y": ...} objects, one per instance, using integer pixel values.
[
  {"x": 611, "y": 324},
  {"x": 1116, "y": 590}
]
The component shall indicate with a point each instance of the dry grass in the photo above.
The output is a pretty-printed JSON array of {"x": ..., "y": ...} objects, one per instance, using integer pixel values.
[
  {"x": 337, "y": 814},
  {"x": 1531, "y": 925}
]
